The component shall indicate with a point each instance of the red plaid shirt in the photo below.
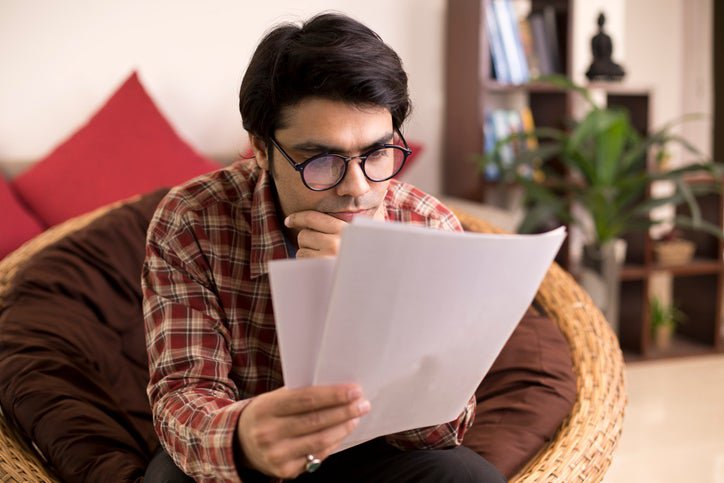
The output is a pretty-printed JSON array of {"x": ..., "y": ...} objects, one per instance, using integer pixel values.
[{"x": 210, "y": 330}]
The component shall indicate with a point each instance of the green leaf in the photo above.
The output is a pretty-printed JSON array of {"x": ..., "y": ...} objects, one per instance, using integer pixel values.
[{"x": 702, "y": 225}]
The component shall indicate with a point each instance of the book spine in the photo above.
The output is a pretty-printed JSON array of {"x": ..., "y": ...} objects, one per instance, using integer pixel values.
[
  {"x": 526, "y": 39},
  {"x": 540, "y": 43},
  {"x": 508, "y": 37},
  {"x": 502, "y": 73},
  {"x": 551, "y": 29},
  {"x": 491, "y": 172},
  {"x": 501, "y": 127},
  {"x": 526, "y": 118},
  {"x": 518, "y": 51}
]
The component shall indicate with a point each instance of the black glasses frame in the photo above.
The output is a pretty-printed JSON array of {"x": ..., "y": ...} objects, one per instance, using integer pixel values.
[{"x": 363, "y": 158}]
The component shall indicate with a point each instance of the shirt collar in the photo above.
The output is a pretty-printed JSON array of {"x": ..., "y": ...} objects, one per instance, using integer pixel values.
[{"x": 267, "y": 238}]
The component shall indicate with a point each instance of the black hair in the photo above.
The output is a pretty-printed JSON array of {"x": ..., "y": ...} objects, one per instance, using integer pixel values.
[{"x": 329, "y": 56}]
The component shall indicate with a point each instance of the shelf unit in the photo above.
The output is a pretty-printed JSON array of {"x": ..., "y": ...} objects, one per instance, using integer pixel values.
[{"x": 697, "y": 286}]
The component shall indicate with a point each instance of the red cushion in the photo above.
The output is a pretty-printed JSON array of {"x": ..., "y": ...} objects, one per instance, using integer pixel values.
[
  {"x": 126, "y": 148},
  {"x": 417, "y": 148},
  {"x": 17, "y": 225}
]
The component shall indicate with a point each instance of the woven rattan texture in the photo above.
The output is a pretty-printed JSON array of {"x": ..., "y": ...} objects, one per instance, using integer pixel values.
[
  {"x": 581, "y": 450},
  {"x": 583, "y": 447}
]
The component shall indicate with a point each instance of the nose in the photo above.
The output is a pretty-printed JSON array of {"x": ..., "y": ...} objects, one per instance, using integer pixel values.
[{"x": 354, "y": 182}]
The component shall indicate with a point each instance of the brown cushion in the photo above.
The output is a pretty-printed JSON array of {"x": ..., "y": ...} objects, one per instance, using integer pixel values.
[
  {"x": 525, "y": 396},
  {"x": 73, "y": 365}
]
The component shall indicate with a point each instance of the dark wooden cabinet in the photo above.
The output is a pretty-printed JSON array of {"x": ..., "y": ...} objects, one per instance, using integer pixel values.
[{"x": 697, "y": 287}]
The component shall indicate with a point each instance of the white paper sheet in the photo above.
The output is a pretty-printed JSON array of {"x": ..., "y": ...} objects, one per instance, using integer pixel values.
[
  {"x": 301, "y": 290},
  {"x": 415, "y": 316}
]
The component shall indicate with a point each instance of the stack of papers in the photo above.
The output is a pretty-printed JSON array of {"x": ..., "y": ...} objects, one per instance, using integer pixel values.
[{"x": 414, "y": 315}]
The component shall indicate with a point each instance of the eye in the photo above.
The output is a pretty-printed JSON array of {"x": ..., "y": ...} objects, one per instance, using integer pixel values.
[{"x": 377, "y": 154}]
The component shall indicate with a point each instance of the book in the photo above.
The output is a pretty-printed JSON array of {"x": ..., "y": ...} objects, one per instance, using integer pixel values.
[
  {"x": 551, "y": 30},
  {"x": 491, "y": 171},
  {"x": 412, "y": 314},
  {"x": 501, "y": 124},
  {"x": 518, "y": 52},
  {"x": 526, "y": 39},
  {"x": 497, "y": 53},
  {"x": 540, "y": 43},
  {"x": 501, "y": 130},
  {"x": 528, "y": 125},
  {"x": 508, "y": 37}
]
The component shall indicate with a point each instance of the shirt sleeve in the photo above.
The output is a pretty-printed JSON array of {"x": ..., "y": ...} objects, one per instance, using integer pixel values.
[
  {"x": 195, "y": 405},
  {"x": 446, "y": 435}
]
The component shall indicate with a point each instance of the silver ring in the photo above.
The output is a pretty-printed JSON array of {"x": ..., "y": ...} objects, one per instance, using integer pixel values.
[{"x": 313, "y": 463}]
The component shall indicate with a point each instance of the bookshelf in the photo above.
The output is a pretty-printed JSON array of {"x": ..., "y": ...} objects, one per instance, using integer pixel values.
[{"x": 698, "y": 286}]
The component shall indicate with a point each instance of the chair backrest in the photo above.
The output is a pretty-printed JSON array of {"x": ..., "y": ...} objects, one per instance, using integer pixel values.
[{"x": 583, "y": 447}]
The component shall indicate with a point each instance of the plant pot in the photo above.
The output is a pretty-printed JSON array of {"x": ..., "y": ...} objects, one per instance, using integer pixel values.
[
  {"x": 674, "y": 252},
  {"x": 662, "y": 336},
  {"x": 601, "y": 277}
]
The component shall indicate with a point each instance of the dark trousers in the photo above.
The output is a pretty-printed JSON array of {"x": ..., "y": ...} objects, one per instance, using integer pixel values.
[{"x": 374, "y": 461}]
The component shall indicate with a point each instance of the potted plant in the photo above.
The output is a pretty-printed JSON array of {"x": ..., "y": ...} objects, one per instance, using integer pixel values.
[
  {"x": 602, "y": 165},
  {"x": 673, "y": 249},
  {"x": 597, "y": 174},
  {"x": 664, "y": 318}
]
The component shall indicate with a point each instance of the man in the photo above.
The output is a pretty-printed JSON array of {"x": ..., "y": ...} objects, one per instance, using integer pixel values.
[{"x": 323, "y": 105}]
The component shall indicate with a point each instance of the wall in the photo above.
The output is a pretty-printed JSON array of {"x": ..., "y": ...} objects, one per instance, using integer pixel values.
[
  {"x": 672, "y": 55},
  {"x": 60, "y": 60}
]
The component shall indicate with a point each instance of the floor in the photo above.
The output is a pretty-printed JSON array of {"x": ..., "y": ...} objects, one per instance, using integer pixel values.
[{"x": 674, "y": 425}]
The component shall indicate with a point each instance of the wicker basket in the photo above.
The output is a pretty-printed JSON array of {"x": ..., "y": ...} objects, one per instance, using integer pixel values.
[
  {"x": 581, "y": 449},
  {"x": 674, "y": 252}
]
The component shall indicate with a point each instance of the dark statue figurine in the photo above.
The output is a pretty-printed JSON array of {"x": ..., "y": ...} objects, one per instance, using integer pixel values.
[{"x": 603, "y": 67}]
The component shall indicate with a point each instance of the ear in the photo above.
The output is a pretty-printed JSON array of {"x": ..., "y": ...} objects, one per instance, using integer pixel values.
[{"x": 258, "y": 147}]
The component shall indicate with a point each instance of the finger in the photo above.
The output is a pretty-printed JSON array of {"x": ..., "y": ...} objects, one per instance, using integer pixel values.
[
  {"x": 308, "y": 253},
  {"x": 315, "y": 220},
  {"x": 325, "y": 442},
  {"x": 322, "y": 242},
  {"x": 315, "y": 421},
  {"x": 304, "y": 400},
  {"x": 291, "y": 457}
]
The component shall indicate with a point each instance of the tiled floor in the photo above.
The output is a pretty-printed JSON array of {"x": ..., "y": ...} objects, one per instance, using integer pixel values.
[{"x": 674, "y": 425}]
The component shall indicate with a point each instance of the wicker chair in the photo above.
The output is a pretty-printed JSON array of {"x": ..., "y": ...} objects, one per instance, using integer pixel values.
[{"x": 581, "y": 450}]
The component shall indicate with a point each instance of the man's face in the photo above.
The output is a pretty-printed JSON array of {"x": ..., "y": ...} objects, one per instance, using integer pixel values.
[{"x": 319, "y": 125}]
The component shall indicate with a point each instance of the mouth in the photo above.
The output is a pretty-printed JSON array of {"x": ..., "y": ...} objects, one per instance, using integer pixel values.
[{"x": 348, "y": 216}]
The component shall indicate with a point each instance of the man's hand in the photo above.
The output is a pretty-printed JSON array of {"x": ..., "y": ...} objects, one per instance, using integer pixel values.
[
  {"x": 319, "y": 233},
  {"x": 278, "y": 429}
]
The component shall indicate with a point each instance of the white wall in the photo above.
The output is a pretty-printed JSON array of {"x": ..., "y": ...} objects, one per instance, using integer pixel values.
[
  {"x": 697, "y": 72},
  {"x": 669, "y": 48},
  {"x": 664, "y": 46},
  {"x": 60, "y": 59}
]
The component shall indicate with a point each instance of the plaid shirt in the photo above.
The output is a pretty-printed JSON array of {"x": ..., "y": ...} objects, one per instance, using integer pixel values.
[{"x": 210, "y": 330}]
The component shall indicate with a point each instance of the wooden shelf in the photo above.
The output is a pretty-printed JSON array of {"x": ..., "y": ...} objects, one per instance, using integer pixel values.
[
  {"x": 536, "y": 87},
  {"x": 634, "y": 272},
  {"x": 697, "y": 286},
  {"x": 694, "y": 267}
]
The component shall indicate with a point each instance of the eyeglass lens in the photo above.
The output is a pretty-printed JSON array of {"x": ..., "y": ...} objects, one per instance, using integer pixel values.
[{"x": 326, "y": 171}]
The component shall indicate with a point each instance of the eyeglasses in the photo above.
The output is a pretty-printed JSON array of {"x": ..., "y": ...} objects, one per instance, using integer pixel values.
[{"x": 326, "y": 170}]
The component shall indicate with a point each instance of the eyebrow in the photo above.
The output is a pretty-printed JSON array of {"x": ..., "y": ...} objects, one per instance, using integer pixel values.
[{"x": 316, "y": 147}]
